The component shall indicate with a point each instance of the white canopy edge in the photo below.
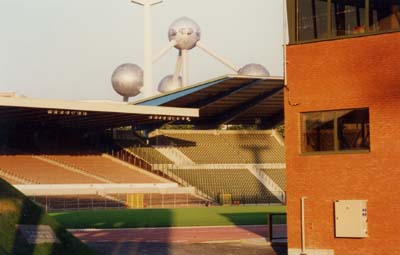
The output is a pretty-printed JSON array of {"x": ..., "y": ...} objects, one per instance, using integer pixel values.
[{"x": 97, "y": 107}]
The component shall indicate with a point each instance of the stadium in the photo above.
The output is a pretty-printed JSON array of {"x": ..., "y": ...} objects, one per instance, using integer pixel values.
[
  {"x": 77, "y": 157},
  {"x": 82, "y": 143},
  {"x": 212, "y": 167}
]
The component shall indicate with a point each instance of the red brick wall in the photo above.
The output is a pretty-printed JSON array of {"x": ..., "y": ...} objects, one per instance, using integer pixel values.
[{"x": 357, "y": 72}]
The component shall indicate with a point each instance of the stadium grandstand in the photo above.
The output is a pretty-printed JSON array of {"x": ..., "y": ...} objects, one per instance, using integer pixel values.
[{"x": 92, "y": 154}]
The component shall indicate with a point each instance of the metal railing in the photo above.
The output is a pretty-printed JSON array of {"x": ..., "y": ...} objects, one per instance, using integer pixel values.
[
  {"x": 130, "y": 158},
  {"x": 165, "y": 171},
  {"x": 117, "y": 201},
  {"x": 159, "y": 169}
]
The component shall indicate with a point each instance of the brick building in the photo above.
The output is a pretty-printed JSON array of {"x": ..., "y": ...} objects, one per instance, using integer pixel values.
[{"x": 342, "y": 121}]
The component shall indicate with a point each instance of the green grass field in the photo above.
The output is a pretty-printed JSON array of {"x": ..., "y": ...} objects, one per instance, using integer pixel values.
[
  {"x": 15, "y": 209},
  {"x": 136, "y": 218}
]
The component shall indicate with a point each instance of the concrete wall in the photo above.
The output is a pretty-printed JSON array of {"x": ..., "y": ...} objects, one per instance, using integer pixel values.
[{"x": 338, "y": 74}]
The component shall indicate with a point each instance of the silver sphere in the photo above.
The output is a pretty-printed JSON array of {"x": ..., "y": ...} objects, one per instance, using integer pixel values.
[
  {"x": 167, "y": 84},
  {"x": 185, "y": 32},
  {"x": 254, "y": 70},
  {"x": 127, "y": 79}
]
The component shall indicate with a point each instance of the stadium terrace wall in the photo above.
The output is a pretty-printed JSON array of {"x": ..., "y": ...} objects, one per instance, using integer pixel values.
[{"x": 340, "y": 74}]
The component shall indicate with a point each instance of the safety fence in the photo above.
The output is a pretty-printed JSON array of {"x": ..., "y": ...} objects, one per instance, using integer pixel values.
[
  {"x": 277, "y": 227},
  {"x": 120, "y": 200}
]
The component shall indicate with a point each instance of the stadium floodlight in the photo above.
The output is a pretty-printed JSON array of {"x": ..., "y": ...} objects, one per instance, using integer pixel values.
[{"x": 147, "y": 68}]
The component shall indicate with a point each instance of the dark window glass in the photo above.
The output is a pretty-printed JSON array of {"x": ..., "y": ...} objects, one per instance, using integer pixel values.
[
  {"x": 384, "y": 15},
  {"x": 318, "y": 131},
  {"x": 321, "y": 19},
  {"x": 353, "y": 129},
  {"x": 343, "y": 130},
  {"x": 312, "y": 19},
  {"x": 348, "y": 17}
]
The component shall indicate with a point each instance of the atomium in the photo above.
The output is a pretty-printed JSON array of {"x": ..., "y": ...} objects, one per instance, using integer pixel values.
[
  {"x": 167, "y": 84},
  {"x": 127, "y": 80},
  {"x": 185, "y": 32},
  {"x": 253, "y": 70}
]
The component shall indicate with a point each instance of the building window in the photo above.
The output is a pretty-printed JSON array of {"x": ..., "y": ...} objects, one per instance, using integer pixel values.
[
  {"x": 312, "y": 20},
  {"x": 324, "y": 19},
  {"x": 335, "y": 131},
  {"x": 348, "y": 17},
  {"x": 384, "y": 15}
]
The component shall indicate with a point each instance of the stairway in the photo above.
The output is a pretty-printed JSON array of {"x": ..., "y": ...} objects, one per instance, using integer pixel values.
[
  {"x": 268, "y": 183},
  {"x": 175, "y": 155}
]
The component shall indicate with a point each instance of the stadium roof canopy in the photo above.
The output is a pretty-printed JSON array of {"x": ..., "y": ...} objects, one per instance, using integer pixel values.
[
  {"x": 85, "y": 114},
  {"x": 229, "y": 99}
]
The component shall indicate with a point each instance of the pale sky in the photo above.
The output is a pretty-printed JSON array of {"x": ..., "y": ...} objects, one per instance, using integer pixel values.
[{"x": 68, "y": 49}]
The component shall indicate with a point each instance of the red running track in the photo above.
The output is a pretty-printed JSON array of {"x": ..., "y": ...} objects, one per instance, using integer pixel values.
[{"x": 174, "y": 235}]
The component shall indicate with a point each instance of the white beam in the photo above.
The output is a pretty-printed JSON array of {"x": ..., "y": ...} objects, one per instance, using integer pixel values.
[
  {"x": 178, "y": 68},
  {"x": 185, "y": 68},
  {"x": 162, "y": 52},
  {"x": 117, "y": 107},
  {"x": 147, "y": 69},
  {"x": 219, "y": 58},
  {"x": 144, "y": 2}
]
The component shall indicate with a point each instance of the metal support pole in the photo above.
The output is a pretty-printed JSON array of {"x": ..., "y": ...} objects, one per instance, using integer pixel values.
[
  {"x": 185, "y": 68},
  {"x": 270, "y": 227},
  {"x": 151, "y": 205},
  {"x": 303, "y": 234},
  {"x": 285, "y": 42},
  {"x": 178, "y": 69}
]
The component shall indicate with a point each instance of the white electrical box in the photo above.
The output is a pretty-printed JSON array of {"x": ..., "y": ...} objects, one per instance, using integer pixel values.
[{"x": 351, "y": 218}]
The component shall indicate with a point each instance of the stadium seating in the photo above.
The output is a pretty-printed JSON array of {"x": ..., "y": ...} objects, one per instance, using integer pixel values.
[
  {"x": 277, "y": 175},
  {"x": 39, "y": 171},
  {"x": 223, "y": 147},
  {"x": 10, "y": 180},
  {"x": 106, "y": 168},
  {"x": 220, "y": 147},
  {"x": 145, "y": 152},
  {"x": 214, "y": 147},
  {"x": 240, "y": 183}
]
